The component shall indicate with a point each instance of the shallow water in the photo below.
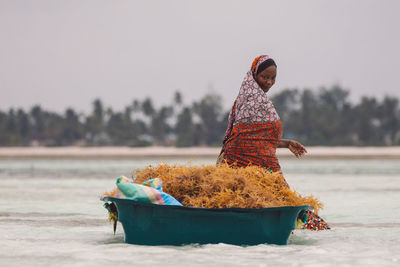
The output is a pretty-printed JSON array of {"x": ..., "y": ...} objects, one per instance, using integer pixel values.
[{"x": 50, "y": 214}]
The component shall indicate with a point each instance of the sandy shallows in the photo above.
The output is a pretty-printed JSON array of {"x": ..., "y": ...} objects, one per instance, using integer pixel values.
[{"x": 130, "y": 152}]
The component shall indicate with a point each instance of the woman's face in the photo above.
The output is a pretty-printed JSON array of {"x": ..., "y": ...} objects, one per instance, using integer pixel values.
[{"x": 266, "y": 78}]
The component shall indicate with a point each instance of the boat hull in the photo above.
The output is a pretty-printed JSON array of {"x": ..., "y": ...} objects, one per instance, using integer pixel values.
[{"x": 150, "y": 224}]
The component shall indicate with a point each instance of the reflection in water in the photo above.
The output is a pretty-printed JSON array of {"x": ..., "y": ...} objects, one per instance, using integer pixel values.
[{"x": 115, "y": 239}]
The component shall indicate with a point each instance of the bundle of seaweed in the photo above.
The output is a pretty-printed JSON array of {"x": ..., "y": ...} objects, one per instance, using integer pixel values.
[{"x": 225, "y": 187}]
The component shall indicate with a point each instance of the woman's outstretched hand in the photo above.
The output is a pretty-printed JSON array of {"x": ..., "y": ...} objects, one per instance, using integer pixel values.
[{"x": 297, "y": 149}]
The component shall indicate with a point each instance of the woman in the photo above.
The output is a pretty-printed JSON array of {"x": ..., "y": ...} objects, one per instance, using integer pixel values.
[{"x": 255, "y": 130}]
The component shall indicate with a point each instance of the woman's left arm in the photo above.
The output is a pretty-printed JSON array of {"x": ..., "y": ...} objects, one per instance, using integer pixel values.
[{"x": 297, "y": 149}]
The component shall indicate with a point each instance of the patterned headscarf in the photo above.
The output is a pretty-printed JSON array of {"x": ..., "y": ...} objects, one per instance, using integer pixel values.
[
  {"x": 257, "y": 62},
  {"x": 261, "y": 63},
  {"x": 252, "y": 104}
]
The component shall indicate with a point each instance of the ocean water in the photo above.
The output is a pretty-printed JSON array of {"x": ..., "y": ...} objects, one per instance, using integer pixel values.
[{"x": 50, "y": 215}]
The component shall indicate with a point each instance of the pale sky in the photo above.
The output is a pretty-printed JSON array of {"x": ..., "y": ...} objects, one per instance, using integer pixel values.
[{"x": 63, "y": 54}]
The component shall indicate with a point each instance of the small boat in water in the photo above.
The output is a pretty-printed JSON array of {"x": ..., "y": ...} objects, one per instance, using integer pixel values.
[{"x": 152, "y": 224}]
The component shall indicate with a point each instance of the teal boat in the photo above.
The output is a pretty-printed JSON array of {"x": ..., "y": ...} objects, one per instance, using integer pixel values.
[{"x": 151, "y": 224}]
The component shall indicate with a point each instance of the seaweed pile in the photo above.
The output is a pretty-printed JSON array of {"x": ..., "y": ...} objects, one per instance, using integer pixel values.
[{"x": 222, "y": 186}]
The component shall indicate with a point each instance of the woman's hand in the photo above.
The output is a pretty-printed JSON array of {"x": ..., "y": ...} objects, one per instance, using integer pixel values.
[{"x": 297, "y": 149}]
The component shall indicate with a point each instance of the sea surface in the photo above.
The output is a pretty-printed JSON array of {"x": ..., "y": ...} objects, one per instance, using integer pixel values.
[{"x": 51, "y": 215}]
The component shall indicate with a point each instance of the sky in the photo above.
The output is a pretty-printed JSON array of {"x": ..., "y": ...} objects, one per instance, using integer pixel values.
[{"x": 62, "y": 54}]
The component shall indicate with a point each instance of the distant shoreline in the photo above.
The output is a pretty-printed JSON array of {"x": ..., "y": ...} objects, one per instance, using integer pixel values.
[{"x": 153, "y": 151}]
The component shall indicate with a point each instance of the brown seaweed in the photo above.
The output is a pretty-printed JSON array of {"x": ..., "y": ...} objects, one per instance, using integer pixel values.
[{"x": 225, "y": 187}]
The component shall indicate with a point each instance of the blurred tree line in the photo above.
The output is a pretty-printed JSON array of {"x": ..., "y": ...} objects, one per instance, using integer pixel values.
[{"x": 323, "y": 117}]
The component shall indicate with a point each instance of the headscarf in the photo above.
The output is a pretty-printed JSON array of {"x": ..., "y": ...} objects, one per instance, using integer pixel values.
[
  {"x": 260, "y": 63},
  {"x": 252, "y": 104}
]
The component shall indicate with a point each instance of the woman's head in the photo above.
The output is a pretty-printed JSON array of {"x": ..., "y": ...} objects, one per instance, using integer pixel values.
[{"x": 264, "y": 72}]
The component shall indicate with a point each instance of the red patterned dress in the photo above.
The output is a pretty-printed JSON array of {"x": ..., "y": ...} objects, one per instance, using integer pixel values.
[{"x": 254, "y": 129}]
